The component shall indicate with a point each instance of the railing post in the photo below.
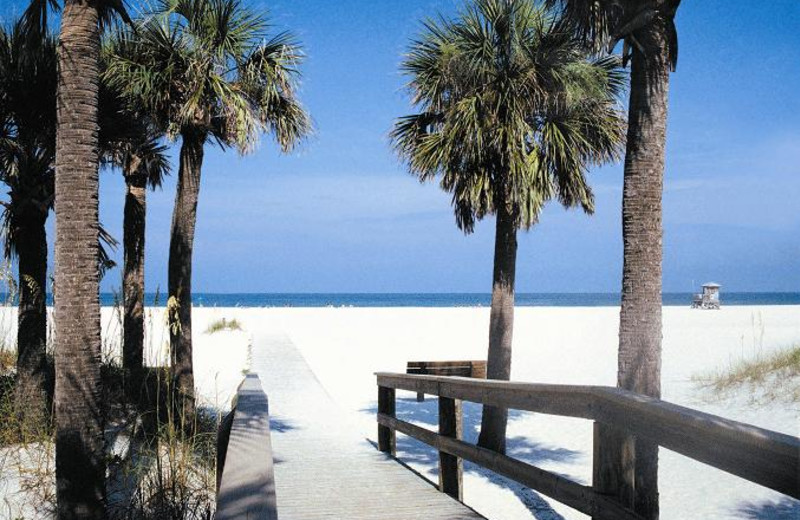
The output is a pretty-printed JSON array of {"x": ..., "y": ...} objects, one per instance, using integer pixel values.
[
  {"x": 386, "y": 405},
  {"x": 613, "y": 465},
  {"x": 450, "y": 466}
]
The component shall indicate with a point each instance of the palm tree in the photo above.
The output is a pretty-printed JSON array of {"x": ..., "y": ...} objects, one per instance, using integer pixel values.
[
  {"x": 27, "y": 152},
  {"x": 512, "y": 114},
  {"x": 209, "y": 72},
  {"x": 80, "y": 461},
  {"x": 143, "y": 165},
  {"x": 131, "y": 142},
  {"x": 650, "y": 44}
]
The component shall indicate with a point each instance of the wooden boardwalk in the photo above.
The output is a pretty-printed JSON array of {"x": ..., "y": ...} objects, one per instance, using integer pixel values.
[{"x": 323, "y": 467}]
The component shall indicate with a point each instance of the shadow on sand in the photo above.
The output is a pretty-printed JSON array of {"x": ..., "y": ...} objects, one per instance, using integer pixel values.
[
  {"x": 782, "y": 509},
  {"x": 411, "y": 451}
]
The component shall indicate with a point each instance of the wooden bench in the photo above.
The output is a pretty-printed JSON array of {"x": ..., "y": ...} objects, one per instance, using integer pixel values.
[{"x": 474, "y": 369}]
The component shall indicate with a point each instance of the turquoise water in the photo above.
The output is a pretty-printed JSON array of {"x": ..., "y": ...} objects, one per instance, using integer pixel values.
[{"x": 451, "y": 299}]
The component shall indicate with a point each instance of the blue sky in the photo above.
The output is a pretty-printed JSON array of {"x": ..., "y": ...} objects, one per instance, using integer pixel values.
[{"x": 342, "y": 214}]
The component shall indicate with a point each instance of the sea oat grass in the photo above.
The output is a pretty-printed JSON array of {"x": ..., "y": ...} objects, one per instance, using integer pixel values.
[
  {"x": 166, "y": 470},
  {"x": 8, "y": 361},
  {"x": 158, "y": 468},
  {"x": 773, "y": 376},
  {"x": 223, "y": 324}
]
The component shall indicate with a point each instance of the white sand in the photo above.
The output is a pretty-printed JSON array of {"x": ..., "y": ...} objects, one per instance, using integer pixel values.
[
  {"x": 27, "y": 474},
  {"x": 220, "y": 358},
  {"x": 553, "y": 345},
  {"x": 345, "y": 346}
]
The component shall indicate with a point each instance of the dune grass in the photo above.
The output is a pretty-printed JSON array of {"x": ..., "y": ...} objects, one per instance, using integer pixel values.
[
  {"x": 223, "y": 324},
  {"x": 8, "y": 361},
  {"x": 157, "y": 468},
  {"x": 774, "y": 376}
]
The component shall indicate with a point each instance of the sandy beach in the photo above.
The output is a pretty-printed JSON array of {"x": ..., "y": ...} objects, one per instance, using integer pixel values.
[{"x": 577, "y": 345}]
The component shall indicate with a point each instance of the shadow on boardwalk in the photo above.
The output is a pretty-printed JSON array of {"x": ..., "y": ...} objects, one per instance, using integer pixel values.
[{"x": 412, "y": 451}]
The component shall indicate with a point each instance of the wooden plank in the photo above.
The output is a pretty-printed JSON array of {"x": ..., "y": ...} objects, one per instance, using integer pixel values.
[
  {"x": 768, "y": 458},
  {"x": 461, "y": 371},
  {"x": 387, "y": 442},
  {"x": 223, "y": 436},
  {"x": 478, "y": 369},
  {"x": 577, "y": 496},
  {"x": 325, "y": 468},
  {"x": 443, "y": 363},
  {"x": 567, "y": 400},
  {"x": 762, "y": 456},
  {"x": 475, "y": 369},
  {"x": 613, "y": 464},
  {"x": 247, "y": 484},
  {"x": 450, "y": 466}
]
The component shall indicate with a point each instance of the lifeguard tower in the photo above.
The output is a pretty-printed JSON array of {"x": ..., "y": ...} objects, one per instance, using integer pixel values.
[{"x": 709, "y": 298}]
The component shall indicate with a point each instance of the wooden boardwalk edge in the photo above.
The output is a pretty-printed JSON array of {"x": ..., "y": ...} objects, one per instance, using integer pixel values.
[{"x": 246, "y": 487}]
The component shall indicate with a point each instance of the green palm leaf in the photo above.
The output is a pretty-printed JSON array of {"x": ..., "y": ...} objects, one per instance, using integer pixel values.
[{"x": 512, "y": 111}]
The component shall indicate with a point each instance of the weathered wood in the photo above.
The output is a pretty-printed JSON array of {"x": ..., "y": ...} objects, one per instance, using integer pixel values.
[
  {"x": 765, "y": 457},
  {"x": 325, "y": 468},
  {"x": 571, "y": 401},
  {"x": 476, "y": 369},
  {"x": 223, "y": 436},
  {"x": 577, "y": 496},
  {"x": 471, "y": 364},
  {"x": 247, "y": 484},
  {"x": 762, "y": 456},
  {"x": 387, "y": 442},
  {"x": 613, "y": 465},
  {"x": 450, "y": 466}
]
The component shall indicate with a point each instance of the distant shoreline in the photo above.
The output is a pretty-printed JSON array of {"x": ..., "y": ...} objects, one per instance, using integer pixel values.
[
  {"x": 437, "y": 300},
  {"x": 446, "y": 300}
]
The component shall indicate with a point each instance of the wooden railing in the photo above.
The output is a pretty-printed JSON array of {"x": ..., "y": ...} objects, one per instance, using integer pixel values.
[
  {"x": 245, "y": 476},
  {"x": 762, "y": 456}
]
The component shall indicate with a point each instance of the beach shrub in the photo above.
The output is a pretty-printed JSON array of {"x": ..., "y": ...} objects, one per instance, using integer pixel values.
[{"x": 223, "y": 324}]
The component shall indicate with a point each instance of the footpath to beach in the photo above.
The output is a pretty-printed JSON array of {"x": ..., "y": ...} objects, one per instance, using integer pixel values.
[{"x": 324, "y": 468}]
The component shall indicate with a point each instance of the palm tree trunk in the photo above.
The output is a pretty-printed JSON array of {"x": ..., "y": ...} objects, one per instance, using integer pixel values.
[
  {"x": 181, "y": 244},
  {"x": 640, "y": 316},
  {"x": 80, "y": 461},
  {"x": 33, "y": 377},
  {"x": 133, "y": 279},
  {"x": 501, "y": 326}
]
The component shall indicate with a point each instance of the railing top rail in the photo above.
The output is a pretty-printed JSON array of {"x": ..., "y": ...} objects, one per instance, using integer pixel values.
[
  {"x": 769, "y": 458},
  {"x": 247, "y": 483}
]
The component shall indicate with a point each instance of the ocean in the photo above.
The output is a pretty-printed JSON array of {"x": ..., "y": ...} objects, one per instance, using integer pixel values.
[{"x": 449, "y": 299}]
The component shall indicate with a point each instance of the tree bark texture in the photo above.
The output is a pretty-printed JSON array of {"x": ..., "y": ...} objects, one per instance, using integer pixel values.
[
  {"x": 501, "y": 326},
  {"x": 80, "y": 461},
  {"x": 640, "y": 333},
  {"x": 181, "y": 244},
  {"x": 34, "y": 381},
  {"x": 133, "y": 278}
]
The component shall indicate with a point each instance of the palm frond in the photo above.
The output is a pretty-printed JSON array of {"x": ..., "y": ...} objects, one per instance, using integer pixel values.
[
  {"x": 211, "y": 66},
  {"x": 106, "y": 246},
  {"x": 602, "y": 24},
  {"x": 513, "y": 110}
]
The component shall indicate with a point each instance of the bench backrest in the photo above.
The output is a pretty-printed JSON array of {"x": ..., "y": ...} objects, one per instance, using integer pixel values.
[{"x": 475, "y": 369}]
